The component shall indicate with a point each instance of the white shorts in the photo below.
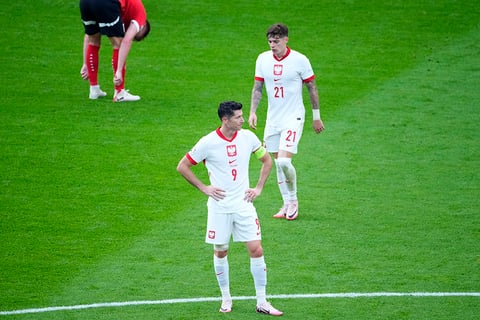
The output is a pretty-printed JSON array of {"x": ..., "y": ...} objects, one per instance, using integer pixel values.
[
  {"x": 243, "y": 226},
  {"x": 284, "y": 136}
]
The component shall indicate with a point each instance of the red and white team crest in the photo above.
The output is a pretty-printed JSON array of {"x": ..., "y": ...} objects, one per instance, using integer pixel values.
[
  {"x": 211, "y": 234},
  {"x": 277, "y": 69},
  {"x": 232, "y": 150}
]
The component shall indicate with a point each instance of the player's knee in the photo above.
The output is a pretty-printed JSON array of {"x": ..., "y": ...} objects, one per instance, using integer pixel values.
[
  {"x": 256, "y": 252},
  {"x": 284, "y": 163},
  {"x": 221, "y": 250},
  {"x": 116, "y": 42},
  {"x": 95, "y": 39}
]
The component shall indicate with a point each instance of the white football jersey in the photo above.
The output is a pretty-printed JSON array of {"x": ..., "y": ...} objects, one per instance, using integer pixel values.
[
  {"x": 284, "y": 80},
  {"x": 227, "y": 162}
]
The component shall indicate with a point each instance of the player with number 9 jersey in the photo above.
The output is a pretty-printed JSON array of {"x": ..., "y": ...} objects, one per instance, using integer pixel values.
[
  {"x": 227, "y": 162},
  {"x": 226, "y": 153}
]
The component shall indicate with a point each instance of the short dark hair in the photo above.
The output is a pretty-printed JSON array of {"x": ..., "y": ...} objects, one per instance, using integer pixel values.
[
  {"x": 145, "y": 33},
  {"x": 277, "y": 30},
  {"x": 227, "y": 108}
]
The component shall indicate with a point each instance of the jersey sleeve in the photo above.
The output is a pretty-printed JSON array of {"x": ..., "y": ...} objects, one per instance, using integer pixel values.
[
  {"x": 306, "y": 70},
  {"x": 199, "y": 152},
  {"x": 259, "y": 76},
  {"x": 255, "y": 142},
  {"x": 133, "y": 12}
]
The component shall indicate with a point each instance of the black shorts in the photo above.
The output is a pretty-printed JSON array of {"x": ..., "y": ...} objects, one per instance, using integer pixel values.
[{"x": 102, "y": 16}]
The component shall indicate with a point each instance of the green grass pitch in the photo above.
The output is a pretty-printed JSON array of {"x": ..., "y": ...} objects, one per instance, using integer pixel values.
[{"x": 92, "y": 209}]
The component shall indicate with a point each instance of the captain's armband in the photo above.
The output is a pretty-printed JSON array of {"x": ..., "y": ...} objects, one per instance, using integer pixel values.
[{"x": 260, "y": 152}]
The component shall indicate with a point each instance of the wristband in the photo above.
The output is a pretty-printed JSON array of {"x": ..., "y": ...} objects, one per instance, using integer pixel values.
[{"x": 316, "y": 114}]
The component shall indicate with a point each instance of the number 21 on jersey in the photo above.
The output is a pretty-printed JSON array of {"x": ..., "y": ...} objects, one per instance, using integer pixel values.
[{"x": 278, "y": 92}]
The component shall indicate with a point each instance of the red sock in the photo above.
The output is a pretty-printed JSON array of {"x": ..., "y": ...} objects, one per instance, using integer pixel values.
[
  {"x": 114, "y": 66},
  {"x": 124, "y": 71},
  {"x": 92, "y": 64}
]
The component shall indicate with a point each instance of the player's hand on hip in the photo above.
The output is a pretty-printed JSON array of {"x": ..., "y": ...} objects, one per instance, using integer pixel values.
[{"x": 214, "y": 192}]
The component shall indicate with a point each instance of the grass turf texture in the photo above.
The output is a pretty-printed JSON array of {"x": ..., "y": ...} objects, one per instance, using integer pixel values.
[{"x": 92, "y": 209}]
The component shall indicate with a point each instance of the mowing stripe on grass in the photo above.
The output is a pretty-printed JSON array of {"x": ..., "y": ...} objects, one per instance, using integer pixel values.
[{"x": 279, "y": 296}]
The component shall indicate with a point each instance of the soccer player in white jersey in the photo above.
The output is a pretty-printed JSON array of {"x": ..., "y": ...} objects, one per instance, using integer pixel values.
[
  {"x": 284, "y": 71},
  {"x": 226, "y": 154}
]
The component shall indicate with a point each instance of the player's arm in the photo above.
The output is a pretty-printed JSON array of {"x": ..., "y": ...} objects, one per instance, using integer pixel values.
[
  {"x": 123, "y": 52},
  {"x": 184, "y": 167},
  {"x": 255, "y": 101},
  {"x": 83, "y": 70},
  {"x": 315, "y": 101},
  {"x": 267, "y": 163}
]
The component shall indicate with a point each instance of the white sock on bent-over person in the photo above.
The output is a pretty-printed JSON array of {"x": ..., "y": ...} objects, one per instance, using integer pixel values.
[
  {"x": 290, "y": 175},
  {"x": 222, "y": 273},
  {"x": 258, "y": 269}
]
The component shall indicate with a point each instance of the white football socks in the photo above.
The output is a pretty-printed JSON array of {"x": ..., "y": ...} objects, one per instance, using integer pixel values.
[
  {"x": 222, "y": 273},
  {"x": 259, "y": 273},
  {"x": 282, "y": 182},
  {"x": 287, "y": 171}
]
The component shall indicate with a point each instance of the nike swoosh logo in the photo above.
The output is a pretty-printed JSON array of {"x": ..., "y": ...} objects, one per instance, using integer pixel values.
[{"x": 293, "y": 214}]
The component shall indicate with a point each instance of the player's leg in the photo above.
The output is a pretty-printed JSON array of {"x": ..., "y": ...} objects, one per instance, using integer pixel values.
[
  {"x": 247, "y": 229},
  {"x": 92, "y": 57},
  {"x": 282, "y": 186},
  {"x": 116, "y": 42},
  {"x": 288, "y": 146},
  {"x": 219, "y": 230},
  {"x": 91, "y": 47},
  {"x": 222, "y": 272},
  {"x": 272, "y": 140},
  {"x": 284, "y": 162},
  {"x": 258, "y": 269}
]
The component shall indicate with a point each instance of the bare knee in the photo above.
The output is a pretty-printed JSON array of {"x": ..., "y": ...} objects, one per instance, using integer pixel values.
[
  {"x": 255, "y": 249},
  {"x": 95, "y": 39},
  {"x": 116, "y": 42},
  {"x": 220, "y": 251},
  {"x": 220, "y": 254}
]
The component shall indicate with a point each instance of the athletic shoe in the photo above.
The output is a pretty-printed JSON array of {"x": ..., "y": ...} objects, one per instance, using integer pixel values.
[
  {"x": 226, "y": 306},
  {"x": 266, "y": 308},
  {"x": 292, "y": 212},
  {"x": 282, "y": 213},
  {"x": 96, "y": 92},
  {"x": 124, "y": 95}
]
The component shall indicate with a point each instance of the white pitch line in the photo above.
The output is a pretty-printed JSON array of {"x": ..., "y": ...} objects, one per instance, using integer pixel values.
[{"x": 278, "y": 296}]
